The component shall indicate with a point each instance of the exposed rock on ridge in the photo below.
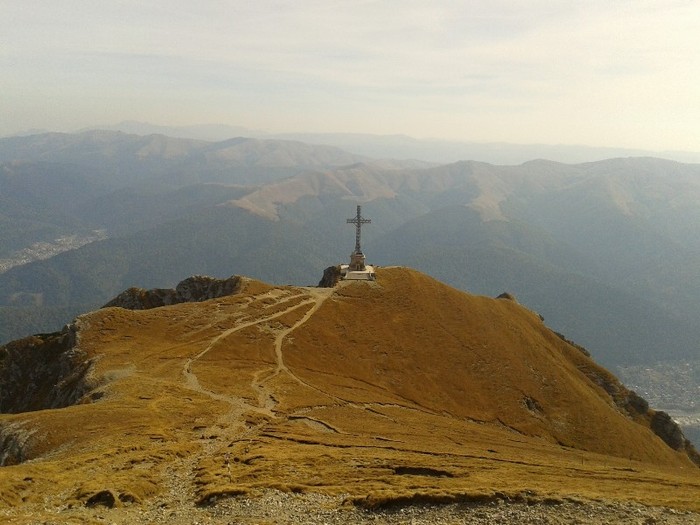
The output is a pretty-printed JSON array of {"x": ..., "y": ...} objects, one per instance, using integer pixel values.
[
  {"x": 193, "y": 289},
  {"x": 43, "y": 371},
  {"x": 40, "y": 372},
  {"x": 331, "y": 276},
  {"x": 14, "y": 440},
  {"x": 668, "y": 430},
  {"x": 637, "y": 408}
]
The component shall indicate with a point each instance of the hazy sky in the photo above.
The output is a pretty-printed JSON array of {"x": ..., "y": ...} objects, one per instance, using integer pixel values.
[{"x": 607, "y": 73}]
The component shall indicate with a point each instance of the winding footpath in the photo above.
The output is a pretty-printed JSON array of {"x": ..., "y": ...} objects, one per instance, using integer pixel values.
[{"x": 180, "y": 476}]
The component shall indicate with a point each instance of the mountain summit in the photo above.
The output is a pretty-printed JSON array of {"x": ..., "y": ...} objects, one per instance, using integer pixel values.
[{"x": 397, "y": 390}]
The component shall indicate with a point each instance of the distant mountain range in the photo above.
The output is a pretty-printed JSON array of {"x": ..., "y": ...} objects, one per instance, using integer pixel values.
[
  {"x": 406, "y": 147},
  {"x": 607, "y": 251},
  {"x": 118, "y": 159}
]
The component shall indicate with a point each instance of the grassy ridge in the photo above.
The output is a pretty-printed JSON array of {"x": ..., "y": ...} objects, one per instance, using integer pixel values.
[{"x": 396, "y": 391}]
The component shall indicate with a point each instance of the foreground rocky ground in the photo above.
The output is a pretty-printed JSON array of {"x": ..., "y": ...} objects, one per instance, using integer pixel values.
[{"x": 276, "y": 507}]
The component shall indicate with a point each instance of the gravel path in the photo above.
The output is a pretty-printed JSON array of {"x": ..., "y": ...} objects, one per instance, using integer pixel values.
[{"x": 313, "y": 509}]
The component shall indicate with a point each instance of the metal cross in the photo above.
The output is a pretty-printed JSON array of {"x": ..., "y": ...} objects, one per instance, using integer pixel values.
[{"x": 358, "y": 221}]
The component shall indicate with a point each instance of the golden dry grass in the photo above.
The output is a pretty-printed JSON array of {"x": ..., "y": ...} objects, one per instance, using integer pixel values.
[{"x": 390, "y": 391}]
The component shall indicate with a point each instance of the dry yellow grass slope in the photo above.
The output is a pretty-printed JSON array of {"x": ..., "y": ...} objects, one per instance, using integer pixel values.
[{"x": 398, "y": 390}]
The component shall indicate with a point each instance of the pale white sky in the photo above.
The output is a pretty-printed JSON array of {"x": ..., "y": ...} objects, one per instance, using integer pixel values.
[{"x": 600, "y": 72}]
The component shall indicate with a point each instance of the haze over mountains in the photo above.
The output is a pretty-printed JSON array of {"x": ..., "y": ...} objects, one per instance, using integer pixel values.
[
  {"x": 406, "y": 147},
  {"x": 606, "y": 251}
]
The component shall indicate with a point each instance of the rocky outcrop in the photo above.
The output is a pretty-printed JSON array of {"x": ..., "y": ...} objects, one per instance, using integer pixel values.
[
  {"x": 40, "y": 372},
  {"x": 43, "y": 371},
  {"x": 331, "y": 276},
  {"x": 193, "y": 289},
  {"x": 637, "y": 408},
  {"x": 14, "y": 441},
  {"x": 667, "y": 429},
  {"x": 670, "y": 432}
]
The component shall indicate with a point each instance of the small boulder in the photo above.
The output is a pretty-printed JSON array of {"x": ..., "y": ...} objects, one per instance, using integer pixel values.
[{"x": 104, "y": 498}]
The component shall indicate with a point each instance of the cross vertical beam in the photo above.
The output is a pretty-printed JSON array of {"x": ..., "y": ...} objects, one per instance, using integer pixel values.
[{"x": 358, "y": 221}]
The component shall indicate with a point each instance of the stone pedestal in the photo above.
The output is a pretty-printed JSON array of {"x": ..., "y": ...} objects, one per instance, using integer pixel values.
[{"x": 357, "y": 261}]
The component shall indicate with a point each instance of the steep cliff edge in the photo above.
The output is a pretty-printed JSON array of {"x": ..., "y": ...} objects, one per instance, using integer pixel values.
[{"x": 43, "y": 371}]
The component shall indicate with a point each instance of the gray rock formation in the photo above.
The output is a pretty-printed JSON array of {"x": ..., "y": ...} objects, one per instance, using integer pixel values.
[
  {"x": 637, "y": 408},
  {"x": 40, "y": 372},
  {"x": 667, "y": 429},
  {"x": 331, "y": 276},
  {"x": 14, "y": 440},
  {"x": 43, "y": 371},
  {"x": 193, "y": 289}
]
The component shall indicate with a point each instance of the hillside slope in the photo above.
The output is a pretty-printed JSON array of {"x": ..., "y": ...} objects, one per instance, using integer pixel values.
[
  {"x": 616, "y": 324},
  {"x": 402, "y": 390}
]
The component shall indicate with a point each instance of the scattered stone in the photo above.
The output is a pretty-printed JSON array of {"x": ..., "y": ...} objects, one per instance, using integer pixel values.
[{"x": 285, "y": 508}]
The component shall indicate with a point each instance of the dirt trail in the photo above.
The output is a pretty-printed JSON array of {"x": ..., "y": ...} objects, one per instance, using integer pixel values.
[
  {"x": 231, "y": 425},
  {"x": 190, "y": 377},
  {"x": 317, "y": 301},
  {"x": 265, "y": 394}
]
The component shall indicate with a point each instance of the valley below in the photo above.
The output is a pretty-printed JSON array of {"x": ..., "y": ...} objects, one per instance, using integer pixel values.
[
  {"x": 673, "y": 387},
  {"x": 44, "y": 250}
]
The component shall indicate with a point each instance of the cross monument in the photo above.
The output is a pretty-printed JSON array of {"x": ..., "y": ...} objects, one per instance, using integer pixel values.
[
  {"x": 358, "y": 221},
  {"x": 357, "y": 258}
]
